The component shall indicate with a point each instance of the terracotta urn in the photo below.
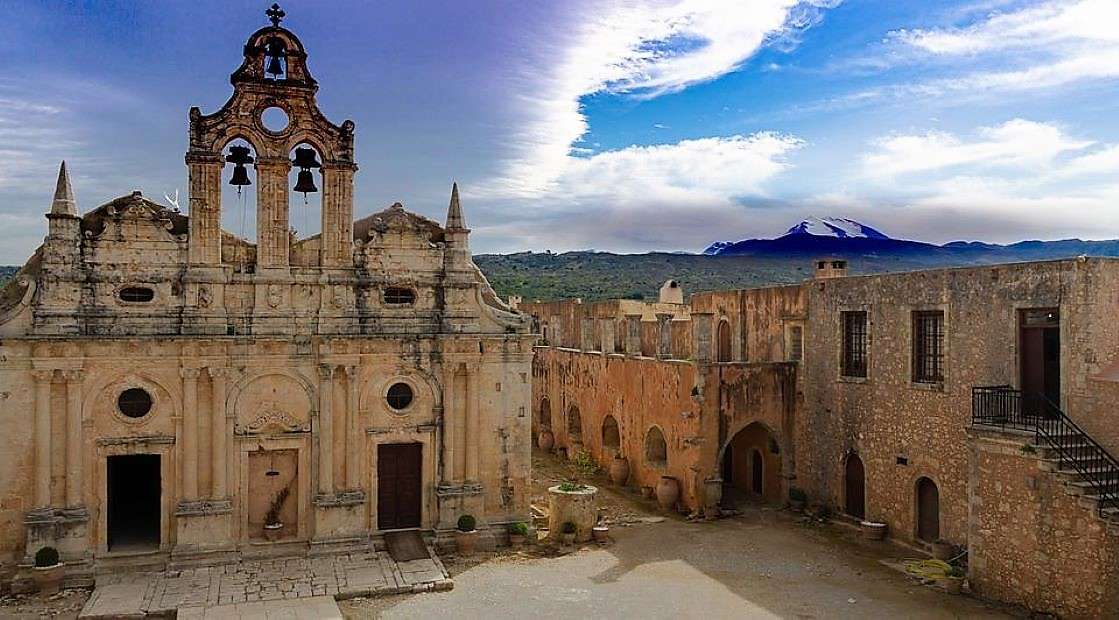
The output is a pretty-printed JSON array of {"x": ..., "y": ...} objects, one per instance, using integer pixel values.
[
  {"x": 466, "y": 541},
  {"x": 668, "y": 491},
  {"x": 546, "y": 440},
  {"x": 273, "y": 531},
  {"x": 619, "y": 470},
  {"x": 48, "y": 579},
  {"x": 953, "y": 585},
  {"x": 872, "y": 530}
]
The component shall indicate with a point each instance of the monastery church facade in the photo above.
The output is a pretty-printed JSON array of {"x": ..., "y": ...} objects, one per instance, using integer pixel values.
[{"x": 167, "y": 387}]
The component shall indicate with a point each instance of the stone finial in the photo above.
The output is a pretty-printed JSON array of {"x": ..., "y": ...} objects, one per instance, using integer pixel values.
[
  {"x": 455, "y": 220},
  {"x": 64, "y": 203}
]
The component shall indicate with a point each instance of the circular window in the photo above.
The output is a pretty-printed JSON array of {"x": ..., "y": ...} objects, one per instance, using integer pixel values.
[
  {"x": 134, "y": 402},
  {"x": 399, "y": 396},
  {"x": 274, "y": 119}
]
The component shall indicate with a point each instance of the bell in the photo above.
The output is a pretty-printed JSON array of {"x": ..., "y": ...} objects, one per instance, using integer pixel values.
[
  {"x": 305, "y": 158},
  {"x": 305, "y": 183},
  {"x": 274, "y": 66},
  {"x": 240, "y": 176},
  {"x": 274, "y": 49}
]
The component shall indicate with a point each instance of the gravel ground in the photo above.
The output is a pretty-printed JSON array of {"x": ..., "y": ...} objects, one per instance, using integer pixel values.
[{"x": 66, "y": 604}]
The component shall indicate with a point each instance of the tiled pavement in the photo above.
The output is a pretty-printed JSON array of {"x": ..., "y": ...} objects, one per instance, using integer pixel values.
[{"x": 342, "y": 576}]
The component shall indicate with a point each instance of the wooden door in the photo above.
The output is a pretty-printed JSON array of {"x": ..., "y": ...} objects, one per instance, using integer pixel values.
[
  {"x": 399, "y": 484},
  {"x": 928, "y": 510},
  {"x": 1040, "y": 353},
  {"x": 856, "y": 487}
]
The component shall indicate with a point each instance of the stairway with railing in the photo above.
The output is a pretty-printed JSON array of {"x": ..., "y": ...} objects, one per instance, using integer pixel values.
[{"x": 1091, "y": 470}]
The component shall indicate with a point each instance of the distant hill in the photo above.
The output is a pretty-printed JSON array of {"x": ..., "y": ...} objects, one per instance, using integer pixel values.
[{"x": 6, "y": 273}]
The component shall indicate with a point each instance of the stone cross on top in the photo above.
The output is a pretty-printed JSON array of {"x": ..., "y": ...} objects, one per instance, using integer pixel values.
[{"x": 275, "y": 14}]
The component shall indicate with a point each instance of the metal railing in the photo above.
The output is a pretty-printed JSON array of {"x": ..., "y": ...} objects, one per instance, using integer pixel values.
[{"x": 1006, "y": 407}]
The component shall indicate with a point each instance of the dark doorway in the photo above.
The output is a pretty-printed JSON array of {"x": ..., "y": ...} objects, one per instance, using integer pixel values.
[
  {"x": 728, "y": 466},
  {"x": 399, "y": 481},
  {"x": 928, "y": 510},
  {"x": 133, "y": 502},
  {"x": 1040, "y": 343},
  {"x": 855, "y": 485},
  {"x": 757, "y": 473}
]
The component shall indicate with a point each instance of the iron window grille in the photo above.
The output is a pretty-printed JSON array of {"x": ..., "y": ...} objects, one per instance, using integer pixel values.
[
  {"x": 796, "y": 344},
  {"x": 928, "y": 347},
  {"x": 854, "y": 344}
]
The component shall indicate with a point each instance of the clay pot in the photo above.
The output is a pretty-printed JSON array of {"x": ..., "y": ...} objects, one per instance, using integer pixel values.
[
  {"x": 48, "y": 579},
  {"x": 619, "y": 470},
  {"x": 516, "y": 541},
  {"x": 668, "y": 491},
  {"x": 273, "y": 531},
  {"x": 546, "y": 440},
  {"x": 872, "y": 530},
  {"x": 943, "y": 550},
  {"x": 953, "y": 585},
  {"x": 601, "y": 534},
  {"x": 466, "y": 541}
]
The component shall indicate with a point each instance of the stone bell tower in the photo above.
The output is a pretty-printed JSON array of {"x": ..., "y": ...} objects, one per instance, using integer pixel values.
[{"x": 273, "y": 75}]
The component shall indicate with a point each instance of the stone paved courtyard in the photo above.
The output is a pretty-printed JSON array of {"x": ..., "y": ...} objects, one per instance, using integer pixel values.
[{"x": 343, "y": 576}]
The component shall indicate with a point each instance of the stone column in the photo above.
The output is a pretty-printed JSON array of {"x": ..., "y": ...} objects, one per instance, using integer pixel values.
[
  {"x": 664, "y": 336},
  {"x": 473, "y": 423},
  {"x": 353, "y": 438},
  {"x": 204, "y": 242},
  {"x": 189, "y": 449},
  {"x": 272, "y": 212},
  {"x": 74, "y": 450},
  {"x": 449, "y": 425},
  {"x": 43, "y": 437},
  {"x": 218, "y": 430},
  {"x": 633, "y": 334},
  {"x": 337, "y": 215},
  {"x": 326, "y": 429}
]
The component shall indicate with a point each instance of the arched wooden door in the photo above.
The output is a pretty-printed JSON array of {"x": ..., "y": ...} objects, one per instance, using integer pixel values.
[
  {"x": 855, "y": 486},
  {"x": 928, "y": 510},
  {"x": 724, "y": 341},
  {"x": 757, "y": 473}
]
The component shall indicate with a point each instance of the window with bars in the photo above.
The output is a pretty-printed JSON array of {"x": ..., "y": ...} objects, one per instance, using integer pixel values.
[
  {"x": 928, "y": 347},
  {"x": 796, "y": 343},
  {"x": 854, "y": 344}
]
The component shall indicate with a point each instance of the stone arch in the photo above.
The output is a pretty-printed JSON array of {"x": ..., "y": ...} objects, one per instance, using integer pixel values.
[
  {"x": 272, "y": 401},
  {"x": 724, "y": 342},
  {"x": 371, "y": 393},
  {"x": 753, "y": 450},
  {"x": 101, "y": 398},
  {"x": 611, "y": 435},
  {"x": 574, "y": 425},
  {"x": 927, "y": 508},
  {"x": 854, "y": 486},
  {"x": 656, "y": 448}
]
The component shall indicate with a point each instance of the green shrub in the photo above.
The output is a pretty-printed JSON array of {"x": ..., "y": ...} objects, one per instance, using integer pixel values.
[
  {"x": 797, "y": 494},
  {"x": 957, "y": 572},
  {"x": 571, "y": 487},
  {"x": 519, "y": 528},
  {"x": 46, "y": 556},
  {"x": 585, "y": 463},
  {"x": 467, "y": 523},
  {"x": 568, "y": 528}
]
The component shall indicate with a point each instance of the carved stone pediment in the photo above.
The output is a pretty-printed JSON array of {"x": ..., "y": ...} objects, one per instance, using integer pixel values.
[{"x": 271, "y": 418}]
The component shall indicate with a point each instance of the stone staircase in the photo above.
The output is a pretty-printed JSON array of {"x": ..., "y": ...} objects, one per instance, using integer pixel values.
[{"x": 1084, "y": 471}]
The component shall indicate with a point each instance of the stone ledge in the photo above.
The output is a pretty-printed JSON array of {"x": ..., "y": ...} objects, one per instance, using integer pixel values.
[
  {"x": 203, "y": 507},
  {"x": 346, "y": 498},
  {"x": 458, "y": 490}
]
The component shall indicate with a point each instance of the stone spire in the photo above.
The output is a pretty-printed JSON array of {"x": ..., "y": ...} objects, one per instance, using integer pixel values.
[
  {"x": 64, "y": 203},
  {"x": 455, "y": 220}
]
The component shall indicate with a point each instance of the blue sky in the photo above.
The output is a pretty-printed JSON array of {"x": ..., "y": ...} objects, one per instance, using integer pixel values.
[{"x": 624, "y": 126}]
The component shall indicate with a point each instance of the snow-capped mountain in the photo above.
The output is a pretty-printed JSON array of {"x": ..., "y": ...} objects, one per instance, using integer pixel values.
[{"x": 834, "y": 227}]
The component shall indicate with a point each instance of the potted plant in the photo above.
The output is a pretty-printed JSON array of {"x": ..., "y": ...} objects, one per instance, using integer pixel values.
[
  {"x": 273, "y": 526},
  {"x": 466, "y": 534},
  {"x": 518, "y": 532},
  {"x": 567, "y": 533},
  {"x": 798, "y": 499},
  {"x": 48, "y": 571},
  {"x": 954, "y": 580},
  {"x": 943, "y": 550},
  {"x": 873, "y": 530}
]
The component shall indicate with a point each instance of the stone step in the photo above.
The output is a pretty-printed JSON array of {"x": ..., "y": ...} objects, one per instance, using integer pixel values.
[{"x": 1087, "y": 487}]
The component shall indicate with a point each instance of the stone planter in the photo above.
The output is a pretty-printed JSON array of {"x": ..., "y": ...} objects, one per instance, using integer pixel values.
[
  {"x": 712, "y": 497},
  {"x": 546, "y": 440},
  {"x": 619, "y": 470},
  {"x": 466, "y": 541},
  {"x": 943, "y": 550},
  {"x": 873, "y": 530},
  {"x": 576, "y": 506},
  {"x": 668, "y": 492},
  {"x": 273, "y": 531},
  {"x": 48, "y": 579},
  {"x": 601, "y": 534}
]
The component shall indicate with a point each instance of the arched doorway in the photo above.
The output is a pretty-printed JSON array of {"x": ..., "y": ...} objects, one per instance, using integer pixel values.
[
  {"x": 854, "y": 484},
  {"x": 656, "y": 449},
  {"x": 574, "y": 426},
  {"x": 611, "y": 437},
  {"x": 724, "y": 341},
  {"x": 928, "y": 510},
  {"x": 751, "y": 464}
]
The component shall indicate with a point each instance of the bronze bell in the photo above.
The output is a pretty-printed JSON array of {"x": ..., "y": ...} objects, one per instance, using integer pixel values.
[
  {"x": 305, "y": 183},
  {"x": 239, "y": 156},
  {"x": 305, "y": 158},
  {"x": 275, "y": 51}
]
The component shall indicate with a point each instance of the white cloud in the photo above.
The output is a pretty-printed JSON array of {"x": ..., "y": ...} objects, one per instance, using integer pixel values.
[{"x": 642, "y": 48}]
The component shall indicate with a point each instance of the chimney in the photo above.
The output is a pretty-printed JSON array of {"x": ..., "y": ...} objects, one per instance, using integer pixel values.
[{"x": 830, "y": 268}]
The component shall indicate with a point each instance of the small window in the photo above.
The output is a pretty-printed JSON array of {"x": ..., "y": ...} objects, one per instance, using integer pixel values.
[
  {"x": 928, "y": 347},
  {"x": 399, "y": 396},
  {"x": 854, "y": 344},
  {"x": 134, "y": 402},
  {"x": 796, "y": 343},
  {"x": 136, "y": 294},
  {"x": 399, "y": 295}
]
